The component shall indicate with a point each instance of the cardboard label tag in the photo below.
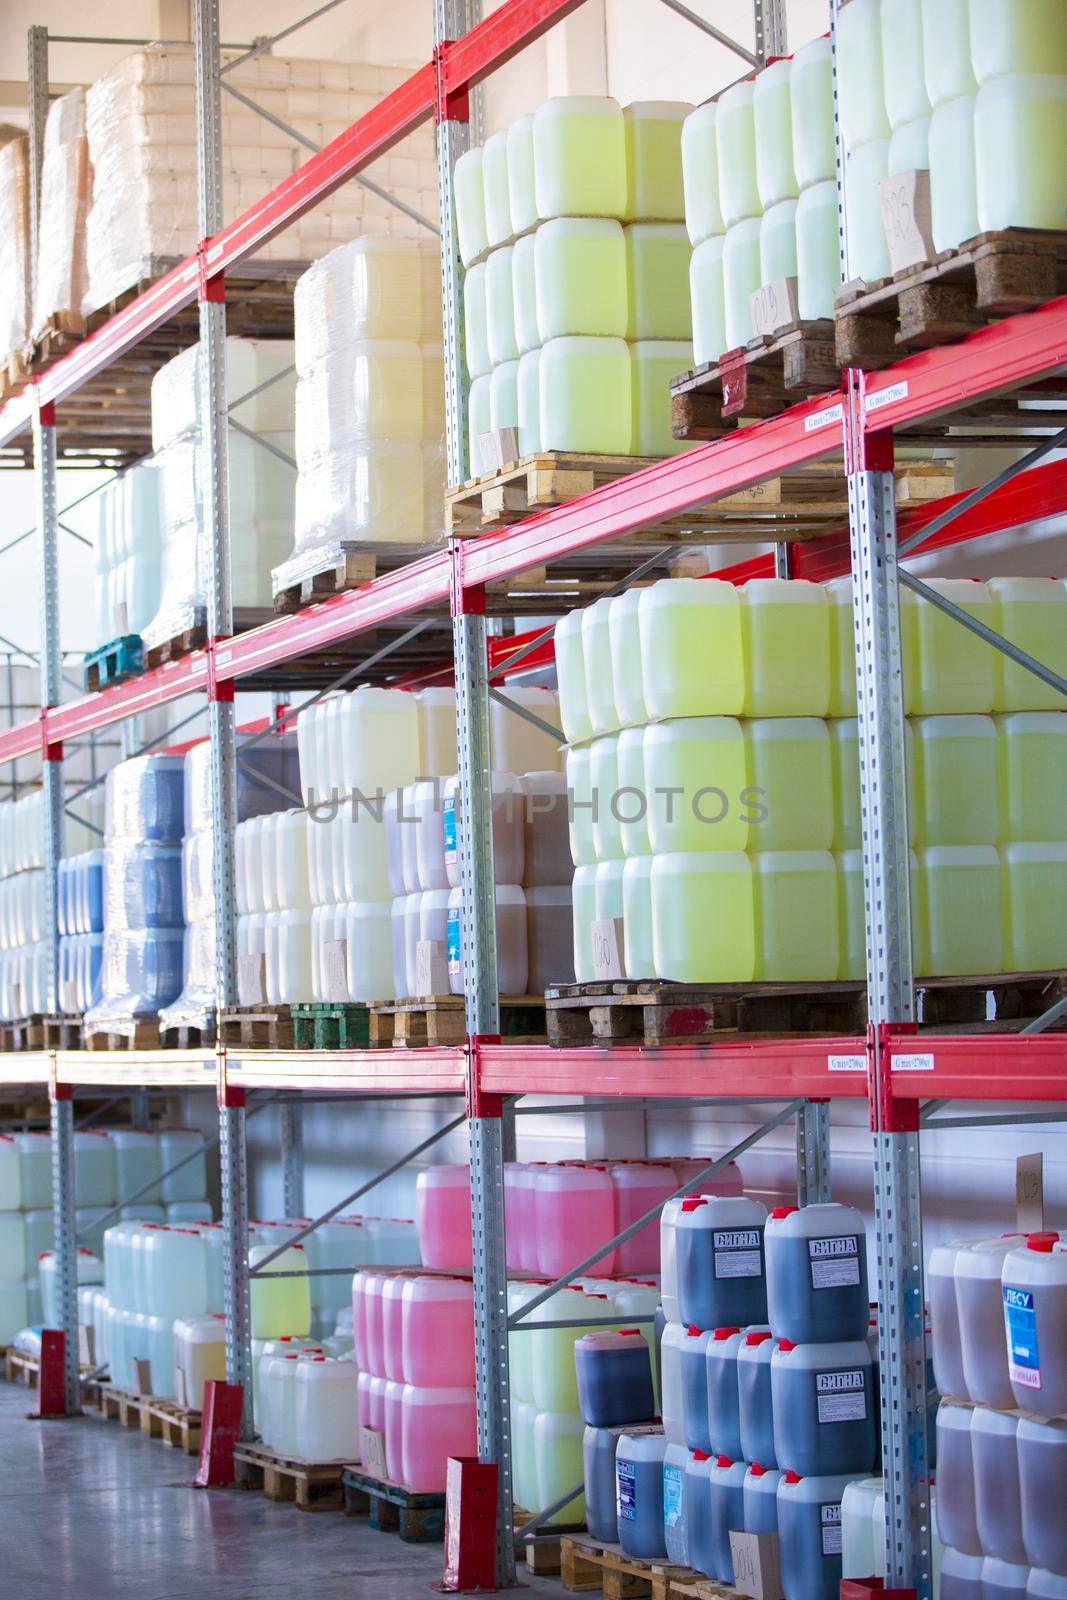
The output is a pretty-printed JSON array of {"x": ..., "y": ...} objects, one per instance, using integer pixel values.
[
  {"x": 251, "y": 978},
  {"x": 143, "y": 1374},
  {"x": 607, "y": 943},
  {"x": 498, "y": 448},
  {"x": 372, "y": 1452},
  {"x": 431, "y": 967},
  {"x": 757, "y": 1565},
  {"x": 335, "y": 969},
  {"x": 86, "y": 1345},
  {"x": 120, "y": 618},
  {"x": 181, "y": 1391},
  {"x": 1030, "y": 1193},
  {"x": 774, "y": 306},
  {"x": 905, "y": 201}
]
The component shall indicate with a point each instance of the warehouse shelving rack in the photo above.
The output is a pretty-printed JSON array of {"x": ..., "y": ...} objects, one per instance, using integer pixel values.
[{"x": 1002, "y": 384}]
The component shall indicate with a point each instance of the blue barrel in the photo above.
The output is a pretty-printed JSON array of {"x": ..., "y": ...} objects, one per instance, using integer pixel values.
[
  {"x": 92, "y": 891},
  {"x": 724, "y": 1423},
  {"x": 816, "y": 1260},
  {"x": 719, "y": 1251},
  {"x": 598, "y": 1462},
  {"x": 698, "y": 1511},
  {"x": 761, "y": 1499},
  {"x": 727, "y": 1511},
  {"x": 694, "y": 1367},
  {"x": 825, "y": 1419},
  {"x": 639, "y": 1492},
  {"x": 754, "y": 1397},
  {"x": 809, "y": 1535},
  {"x": 614, "y": 1372}
]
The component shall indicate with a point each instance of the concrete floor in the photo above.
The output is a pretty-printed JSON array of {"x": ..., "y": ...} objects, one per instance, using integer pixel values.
[{"x": 96, "y": 1512}]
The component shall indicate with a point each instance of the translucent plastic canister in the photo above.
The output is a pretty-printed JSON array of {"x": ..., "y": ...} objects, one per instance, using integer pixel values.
[
  {"x": 812, "y": 109},
  {"x": 953, "y": 774},
  {"x": 741, "y": 277},
  {"x": 508, "y": 827},
  {"x": 579, "y": 147},
  {"x": 723, "y": 1393},
  {"x": 614, "y": 1376},
  {"x": 1032, "y": 613},
  {"x": 522, "y": 201},
  {"x": 1032, "y": 765},
  {"x": 478, "y": 421},
  {"x": 755, "y": 1404},
  {"x": 789, "y": 763},
  {"x": 902, "y": 61},
  {"x": 824, "y": 1407},
  {"x": 817, "y": 1273},
  {"x": 654, "y": 363},
  {"x": 979, "y": 1298},
  {"x": 735, "y": 150},
  {"x": 700, "y": 174},
  {"x": 945, "y": 1324},
  {"x": 598, "y": 1471},
  {"x": 638, "y": 954},
  {"x": 435, "y": 1424},
  {"x": 581, "y": 279},
  {"x": 624, "y": 643},
  {"x": 760, "y": 1499},
  {"x": 1042, "y": 1452},
  {"x": 574, "y": 1209},
  {"x": 470, "y": 205},
  {"x": 653, "y": 159},
  {"x": 586, "y": 403},
  {"x": 771, "y": 104},
  {"x": 860, "y": 74},
  {"x": 443, "y": 1218},
  {"x": 547, "y": 850},
  {"x": 437, "y": 1323},
  {"x": 860, "y": 1555},
  {"x": 947, "y": 50},
  {"x": 961, "y": 888},
  {"x": 818, "y": 261},
  {"x": 954, "y": 211},
  {"x": 796, "y": 915},
  {"x": 1034, "y": 1279},
  {"x": 707, "y": 296},
  {"x": 498, "y": 226},
  {"x": 1003, "y": 1580},
  {"x": 697, "y": 1490},
  {"x": 1034, "y": 878},
  {"x": 596, "y": 659},
  {"x": 703, "y": 917},
  {"x": 719, "y": 1250},
  {"x": 674, "y": 1337},
  {"x": 639, "y": 1186},
  {"x": 867, "y": 252},
  {"x": 726, "y": 1493},
  {"x": 809, "y": 1533},
  {"x": 778, "y": 242},
  {"x": 475, "y": 327},
  {"x": 697, "y": 780},
  {"x": 694, "y": 1385},
  {"x": 786, "y": 642},
  {"x": 692, "y": 659},
  {"x": 956, "y": 1520},
  {"x": 639, "y": 1492},
  {"x": 570, "y": 675},
  {"x": 675, "y": 1507},
  {"x": 1015, "y": 118},
  {"x": 283, "y": 1304},
  {"x": 997, "y": 1500},
  {"x": 961, "y": 1576}
]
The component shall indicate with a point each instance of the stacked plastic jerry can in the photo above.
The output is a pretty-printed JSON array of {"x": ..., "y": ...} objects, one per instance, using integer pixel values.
[{"x": 575, "y": 291}]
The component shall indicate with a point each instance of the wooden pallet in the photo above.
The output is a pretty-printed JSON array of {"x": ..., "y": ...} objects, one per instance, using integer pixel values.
[
  {"x": 187, "y": 1036},
  {"x": 758, "y": 379},
  {"x": 27, "y": 1033},
  {"x": 20, "y": 1368},
  {"x": 441, "y": 1020},
  {"x": 175, "y": 1425},
  {"x": 310, "y": 1485},
  {"x": 589, "y": 1567},
  {"x": 990, "y": 276},
  {"x": 390, "y": 1508},
  {"x": 114, "y": 663},
  {"x": 121, "y": 1406},
  {"x": 525, "y": 487},
  {"x": 265, "y": 1027},
  {"x": 345, "y": 566},
  {"x": 329, "y": 1026},
  {"x": 653, "y": 1013},
  {"x": 141, "y": 1034},
  {"x": 542, "y": 1551},
  {"x": 194, "y": 637}
]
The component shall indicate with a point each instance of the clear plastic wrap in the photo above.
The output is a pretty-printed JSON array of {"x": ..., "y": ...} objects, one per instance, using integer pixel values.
[
  {"x": 369, "y": 403},
  {"x": 14, "y": 248},
  {"x": 273, "y": 761},
  {"x": 140, "y": 119},
  {"x": 143, "y": 925},
  {"x": 60, "y": 279},
  {"x": 250, "y": 364}
]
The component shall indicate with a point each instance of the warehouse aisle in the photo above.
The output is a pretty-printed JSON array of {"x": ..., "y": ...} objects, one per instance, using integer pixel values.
[{"x": 98, "y": 1513}]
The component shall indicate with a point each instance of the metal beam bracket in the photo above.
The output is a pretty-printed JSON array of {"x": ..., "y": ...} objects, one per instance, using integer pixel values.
[
  {"x": 480, "y": 1104},
  {"x": 450, "y": 105},
  {"x": 211, "y": 287},
  {"x": 897, "y": 1115}
]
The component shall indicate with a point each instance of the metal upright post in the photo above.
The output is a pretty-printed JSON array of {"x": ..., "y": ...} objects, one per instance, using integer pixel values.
[
  {"x": 485, "y": 1119},
  {"x": 891, "y": 995},
  {"x": 44, "y": 452},
  {"x": 813, "y": 1153},
  {"x": 37, "y": 92},
  {"x": 213, "y": 401},
  {"x": 770, "y": 25},
  {"x": 293, "y": 1158},
  {"x": 66, "y": 1248}
]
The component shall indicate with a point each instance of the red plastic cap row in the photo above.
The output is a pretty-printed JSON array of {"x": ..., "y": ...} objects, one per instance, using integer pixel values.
[
  {"x": 783, "y": 1211},
  {"x": 726, "y": 1333},
  {"x": 1044, "y": 1242}
]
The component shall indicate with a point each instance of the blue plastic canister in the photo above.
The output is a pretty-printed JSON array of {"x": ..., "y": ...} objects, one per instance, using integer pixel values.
[
  {"x": 727, "y": 1499},
  {"x": 809, "y": 1535},
  {"x": 719, "y": 1250},
  {"x": 824, "y": 1412},
  {"x": 598, "y": 1463},
  {"x": 614, "y": 1372},
  {"x": 694, "y": 1352},
  {"x": 754, "y": 1401},
  {"x": 698, "y": 1510},
  {"x": 816, "y": 1273},
  {"x": 639, "y": 1492},
  {"x": 761, "y": 1499},
  {"x": 724, "y": 1421}
]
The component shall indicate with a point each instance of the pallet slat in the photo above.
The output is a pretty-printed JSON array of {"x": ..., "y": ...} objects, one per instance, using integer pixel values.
[
  {"x": 310, "y": 1485},
  {"x": 440, "y": 1020},
  {"x": 418, "y": 1518}
]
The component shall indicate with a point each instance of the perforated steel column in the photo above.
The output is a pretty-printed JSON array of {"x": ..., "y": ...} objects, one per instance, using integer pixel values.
[
  {"x": 66, "y": 1248},
  {"x": 233, "y": 1172},
  {"x": 293, "y": 1158},
  {"x": 813, "y": 1153},
  {"x": 891, "y": 999}
]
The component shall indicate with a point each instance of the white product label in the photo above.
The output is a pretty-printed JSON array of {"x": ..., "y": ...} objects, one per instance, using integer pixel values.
[
  {"x": 626, "y": 1491},
  {"x": 885, "y": 397},
  {"x": 251, "y": 973},
  {"x": 672, "y": 1496},
  {"x": 846, "y": 1063},
  {"x": 1020, "y": 1322},
  {"x": 737, "y": 1253},
  {"x": 823, "y": 418},
  {"x": 830, "y": 1522},
  {"x": 914, "y": 1063},
  {"x": 835, "y": 1262},
  {"x": 841, "y": 1396},
  {"x": 335, "y": 969}
]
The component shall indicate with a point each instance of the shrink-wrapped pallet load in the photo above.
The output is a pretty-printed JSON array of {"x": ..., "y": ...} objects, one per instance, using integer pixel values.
[
  {"x": 66, "y": 183},
  {"x": 14, "y": 247}
]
